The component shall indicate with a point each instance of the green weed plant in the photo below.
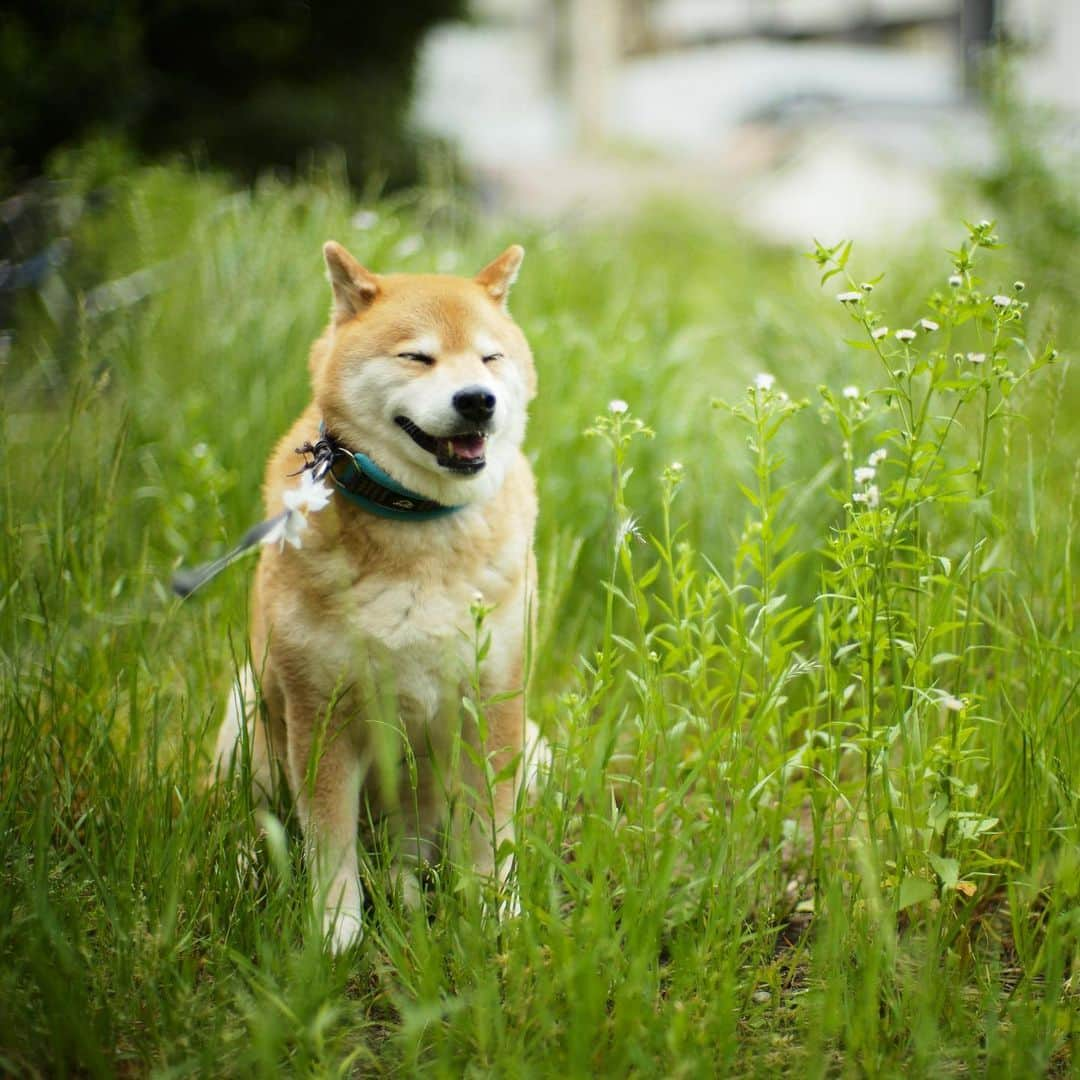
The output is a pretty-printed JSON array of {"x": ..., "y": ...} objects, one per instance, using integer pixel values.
[{"x": 806, "y": 655}]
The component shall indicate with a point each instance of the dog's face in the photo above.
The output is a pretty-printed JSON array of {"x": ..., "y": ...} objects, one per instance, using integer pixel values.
[{"x": 427, "y": 374}]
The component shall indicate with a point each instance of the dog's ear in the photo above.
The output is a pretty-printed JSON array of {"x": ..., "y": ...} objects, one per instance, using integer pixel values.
[
  {"x": 354, "y": 287},
  {"x": 498, "y": 276}
]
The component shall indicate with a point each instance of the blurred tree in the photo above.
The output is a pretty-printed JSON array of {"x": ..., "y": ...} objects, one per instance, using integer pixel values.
[{"x": 255, "y": 83}]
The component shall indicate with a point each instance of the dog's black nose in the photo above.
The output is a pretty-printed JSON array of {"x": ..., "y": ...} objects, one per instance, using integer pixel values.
[{"x": 475, "y": 403}]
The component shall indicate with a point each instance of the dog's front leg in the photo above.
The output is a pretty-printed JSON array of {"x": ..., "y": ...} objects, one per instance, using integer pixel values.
[
  {"x": 494, "y": 826},
  {"x": 325, "y": 775}
]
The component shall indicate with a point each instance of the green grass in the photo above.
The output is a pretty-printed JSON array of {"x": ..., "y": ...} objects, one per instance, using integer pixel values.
[{"x": 768, "y": 843}]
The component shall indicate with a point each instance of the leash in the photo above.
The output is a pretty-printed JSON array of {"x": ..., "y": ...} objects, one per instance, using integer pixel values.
[
  {"x": 185, "y": 582},
  {"x": 358, "y": 479}
]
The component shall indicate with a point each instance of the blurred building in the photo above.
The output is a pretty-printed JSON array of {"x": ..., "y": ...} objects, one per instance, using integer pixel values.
[{"x": 806, "y": 116}]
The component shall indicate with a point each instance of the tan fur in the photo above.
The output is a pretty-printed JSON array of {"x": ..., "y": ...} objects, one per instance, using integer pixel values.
[{"x": 363, "y": 639}]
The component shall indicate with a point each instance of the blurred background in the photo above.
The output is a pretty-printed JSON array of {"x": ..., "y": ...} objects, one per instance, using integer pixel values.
[
  {"x": 797, "y": 116},
  {"x": 156, "y": 155},
  {"x": 170, "y": 168},
  {"x": 165, "y": 161},
  {"x": 837, "y": 117}
]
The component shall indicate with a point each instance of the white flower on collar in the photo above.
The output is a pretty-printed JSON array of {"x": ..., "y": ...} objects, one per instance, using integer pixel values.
[{"x": 308, "y": 497}]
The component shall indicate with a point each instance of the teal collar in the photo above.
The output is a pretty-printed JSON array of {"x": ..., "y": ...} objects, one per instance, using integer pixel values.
[
  {"x": 358, "y": 479},
  {"x": 362, "y": 482}
]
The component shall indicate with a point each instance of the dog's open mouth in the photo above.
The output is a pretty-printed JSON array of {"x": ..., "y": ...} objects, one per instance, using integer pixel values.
[{"x": 463, "y": 452}]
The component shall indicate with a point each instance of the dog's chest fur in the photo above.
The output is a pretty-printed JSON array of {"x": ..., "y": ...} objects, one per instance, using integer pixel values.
[{"x": 399, "y": 619}]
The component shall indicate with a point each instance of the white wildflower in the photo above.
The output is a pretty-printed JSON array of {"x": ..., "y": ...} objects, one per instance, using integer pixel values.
[
  {"x": 878, "y": 456},
  {"x": 953, "y": 704},
  {"x": 849, "y": 297},
  {"x": 410, "y": 245},
  {"x": 628, "y": 527},
  {"x": 851, "y": 393},
  {"x": 867, "y": 286},
  {"x": 364, "y": 219},
  {"x": 869, "y": 498},
  {"x": 308, "y": 497},
  {"x": 288, "y": 530},
  {"x": 676, "y": 466},
  {"x": 764, "y": 381},
  {"x": 929, "y": 325},
  {"x": 905, "y": 335},
  {"x": 955, "y": 280},
  {"x": 1000, "y": 301},
  {"x": 976, "y": 357},
  {"x": 864, "y": 474},
  {"x": 879, "y": 333},
  {"x": 617, "y": 406},
  {"x": 1019, "y": 286}
]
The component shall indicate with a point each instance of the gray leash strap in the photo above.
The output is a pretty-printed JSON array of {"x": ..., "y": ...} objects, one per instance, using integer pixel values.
[{"x": 185, "y": 582}]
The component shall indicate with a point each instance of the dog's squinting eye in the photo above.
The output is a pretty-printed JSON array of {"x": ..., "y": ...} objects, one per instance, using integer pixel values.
[
  {"x": 418, "y": 357},
  {"x": 492, "y": 356}
]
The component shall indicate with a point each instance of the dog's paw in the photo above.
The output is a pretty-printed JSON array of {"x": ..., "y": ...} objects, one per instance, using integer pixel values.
[
  {"x": 410, "y": 891},
  {"x": 343, "y": 929},
  {"x": 537, "y": 759},
  {"x": 343, "y": 913}
]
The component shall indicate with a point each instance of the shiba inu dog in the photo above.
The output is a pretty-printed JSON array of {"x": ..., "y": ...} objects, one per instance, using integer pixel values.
[{"x": 363, "y": 624}]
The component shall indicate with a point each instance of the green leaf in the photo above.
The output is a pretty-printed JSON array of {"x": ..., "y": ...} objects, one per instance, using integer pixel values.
[
  {"x": 650, "y": 575},
  {"x": 509, "y": 771},
  {"x": 948, "y": 870},
  {"x": 750, "y": 495},
  {"x": 914, "y": 890}
]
